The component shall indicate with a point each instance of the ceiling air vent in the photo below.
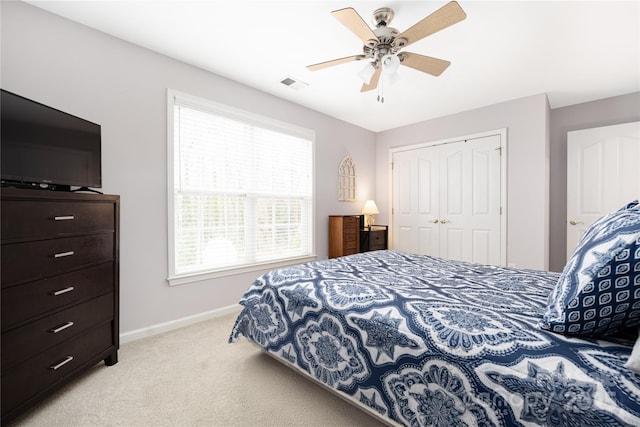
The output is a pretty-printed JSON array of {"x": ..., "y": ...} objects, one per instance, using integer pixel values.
[{"x": 294, "y": 83}]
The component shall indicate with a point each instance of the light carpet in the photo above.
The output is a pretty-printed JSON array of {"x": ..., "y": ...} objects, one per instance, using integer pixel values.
[{"x": 193, "y": 377}]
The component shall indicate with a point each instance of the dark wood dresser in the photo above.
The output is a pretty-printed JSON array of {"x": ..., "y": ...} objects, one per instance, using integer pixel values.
[
  {"x": 60, "y": 290},
  {"x": 343, "y": 235}
]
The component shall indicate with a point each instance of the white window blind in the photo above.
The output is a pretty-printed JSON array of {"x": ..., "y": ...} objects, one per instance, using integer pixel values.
[{"x": 242, "y": 189}]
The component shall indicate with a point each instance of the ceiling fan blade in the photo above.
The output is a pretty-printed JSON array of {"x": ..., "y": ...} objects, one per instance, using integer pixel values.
[
  {"x": 373, "y": 83},
  {"x": 350, "y": 19},
  {"x": 442, "y": 18},
  {"x": 426, "y": 64},
  {"x": 321, "y": 65}
]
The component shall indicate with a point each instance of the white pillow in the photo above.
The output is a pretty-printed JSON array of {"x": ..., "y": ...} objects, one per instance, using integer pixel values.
[{"x": 634, "y": 359}]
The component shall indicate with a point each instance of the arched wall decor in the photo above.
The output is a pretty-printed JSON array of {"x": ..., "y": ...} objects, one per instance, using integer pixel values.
[{"x": 347, "y": 180}]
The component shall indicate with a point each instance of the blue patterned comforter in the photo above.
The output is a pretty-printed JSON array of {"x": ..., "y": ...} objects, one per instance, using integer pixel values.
[{"x": 425, "y": 341}]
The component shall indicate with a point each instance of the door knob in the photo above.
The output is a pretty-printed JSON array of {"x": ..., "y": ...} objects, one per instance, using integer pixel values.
[
  {"x": 435, "y": 221},
  {"x": 443, "y": 221},
  {"x": 574, "y": 222}
]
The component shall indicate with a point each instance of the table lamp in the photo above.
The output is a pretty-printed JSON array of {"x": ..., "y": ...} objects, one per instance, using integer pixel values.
[{"x": 368, "y": 211}]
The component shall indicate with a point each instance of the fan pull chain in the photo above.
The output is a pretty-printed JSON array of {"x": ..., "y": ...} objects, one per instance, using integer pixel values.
[{"x": 381, "y": 90}]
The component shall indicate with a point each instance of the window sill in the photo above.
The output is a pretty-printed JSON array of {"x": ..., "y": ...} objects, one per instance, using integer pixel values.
[{"x": 214, "y": 274}]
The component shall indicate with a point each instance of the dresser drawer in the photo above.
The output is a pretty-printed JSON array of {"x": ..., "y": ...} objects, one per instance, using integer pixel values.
[
  {"x": 51, "y": 257},
  {"x": 351, "y": 224},
  {"x": 351, "y": 244},
  {"x": 24, "y": 342},
  {"x": 351, "y": 236},
  {"x": 37, "y": 374},
  {"x": 30, "y": 220},
  {"x": 23, "y": 302}
]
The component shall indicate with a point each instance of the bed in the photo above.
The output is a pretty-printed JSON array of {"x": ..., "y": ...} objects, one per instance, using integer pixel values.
[
  {"x": 423, "y": 341},
  {"x": 419, "y": 340}
]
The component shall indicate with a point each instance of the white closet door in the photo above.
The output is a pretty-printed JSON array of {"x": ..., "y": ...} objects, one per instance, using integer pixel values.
[
  {"x": 470, "y": 200},
  {"x": 603, "y": 173},
  {"x": 415, "y": 201},
  {"x": 446, "y": 200}
]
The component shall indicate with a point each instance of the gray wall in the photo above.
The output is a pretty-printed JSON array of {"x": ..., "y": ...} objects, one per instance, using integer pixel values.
[
  {"x": 605, "y": 112},
  {"x": 527, "y": 167},
  {"x": 537, "y": 164},
  {"x": 123, "y": 87}
]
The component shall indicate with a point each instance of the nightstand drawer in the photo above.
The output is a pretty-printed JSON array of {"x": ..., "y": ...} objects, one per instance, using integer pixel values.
[
  {"x": 378, "y": 241},
  {"x": 374, "y": 238},
  {"x": 29, "y": 340},
  {"x": 31, "y": 220},
  {"x": 38, "y": 374},
  {"x": 53, "y": 257},
  {"x": 33, "y": 299}
]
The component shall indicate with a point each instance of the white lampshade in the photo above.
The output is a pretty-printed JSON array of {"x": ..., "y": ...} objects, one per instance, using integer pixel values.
[
  {"x": 370, "y": 208},
  {"x": 392, "y": 78},
  {"x": 366, "y": 73},
  {"x": 390, "y": 64}
]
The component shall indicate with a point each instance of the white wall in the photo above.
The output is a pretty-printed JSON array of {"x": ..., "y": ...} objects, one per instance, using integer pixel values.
[
  {"x": 526, "y": 121},
  {"x": 123, "y": 87}
]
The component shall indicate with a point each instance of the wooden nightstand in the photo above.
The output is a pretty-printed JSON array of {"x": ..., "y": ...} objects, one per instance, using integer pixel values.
[{"x": 374, "y": 238}]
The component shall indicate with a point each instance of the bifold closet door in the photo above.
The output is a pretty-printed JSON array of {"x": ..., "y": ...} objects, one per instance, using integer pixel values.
[
  {"x": 446, "y": 200},
  {"x": 416, "y": 208}
]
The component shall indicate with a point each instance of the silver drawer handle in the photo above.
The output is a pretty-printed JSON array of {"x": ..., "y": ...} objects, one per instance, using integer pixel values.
[
  {"x": 63, "y": 254},
  {"x": 61, "y": 364},
  {"x": 64, "y": 218},
  {"x": 61, "y": 328},
  {"x": 62, "y": 291}
]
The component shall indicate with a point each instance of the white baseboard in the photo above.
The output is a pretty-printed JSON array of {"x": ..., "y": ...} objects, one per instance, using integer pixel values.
[{"x": 178, "y": 323}]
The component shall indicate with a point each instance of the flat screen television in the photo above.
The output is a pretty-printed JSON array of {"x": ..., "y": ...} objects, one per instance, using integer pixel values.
[{"x": 42, "y": 147}]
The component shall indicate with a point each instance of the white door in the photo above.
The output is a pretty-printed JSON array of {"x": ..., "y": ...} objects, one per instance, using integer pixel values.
[
  {"x": 415, "y": 201},
  {"x": 446, "y": 200},
  {"x": 603, "y": 173}
]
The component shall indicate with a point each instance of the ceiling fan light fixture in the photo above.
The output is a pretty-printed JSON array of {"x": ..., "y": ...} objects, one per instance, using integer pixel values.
[
  {"x": 390, "y": 64},
  {"x": 392, "y": 78},
  {"x": 382, "y": 45},
  {"x": 367, "y": 72}
]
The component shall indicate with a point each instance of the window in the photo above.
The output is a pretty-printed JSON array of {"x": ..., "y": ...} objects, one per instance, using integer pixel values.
[{"x": 240, "y": 191}]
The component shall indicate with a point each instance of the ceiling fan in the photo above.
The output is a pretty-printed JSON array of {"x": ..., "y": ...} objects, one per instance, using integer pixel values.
[{"x": 382, "y": 45}]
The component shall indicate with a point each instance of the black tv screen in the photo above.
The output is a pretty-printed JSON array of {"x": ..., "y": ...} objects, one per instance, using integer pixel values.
[{"x": 43, "y": 147}]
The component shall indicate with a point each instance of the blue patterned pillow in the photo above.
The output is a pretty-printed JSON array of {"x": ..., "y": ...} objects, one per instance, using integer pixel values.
[
  {"x": 596, "y": 227},
  {"x": 598, "y": 292}
]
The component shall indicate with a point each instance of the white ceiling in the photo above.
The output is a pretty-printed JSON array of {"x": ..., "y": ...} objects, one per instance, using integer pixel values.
[{"x": 575, "y": 51}]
